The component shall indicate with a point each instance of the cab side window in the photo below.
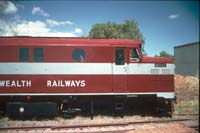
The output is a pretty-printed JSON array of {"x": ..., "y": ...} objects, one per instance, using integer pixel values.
[
  {"x": 134, "y": 55},
  {"x": 119, "y": 56}
]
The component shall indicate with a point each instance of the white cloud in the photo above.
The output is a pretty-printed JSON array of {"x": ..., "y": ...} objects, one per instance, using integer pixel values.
[
  {"x": 53, "y": 23},
  {"x": 39, "y": 11},
  {"x": 20, "y": 6},
  {"x": 173, "y": 16},
  {"x": 77, "y": 30},
  {"x": 31, "y": 28},
  {"x": 3, "y": 27},
  {"x": 7, "y": 7}
]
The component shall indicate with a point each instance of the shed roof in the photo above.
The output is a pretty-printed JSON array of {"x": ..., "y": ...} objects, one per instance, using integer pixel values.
[{"x": 188, "y": 44}]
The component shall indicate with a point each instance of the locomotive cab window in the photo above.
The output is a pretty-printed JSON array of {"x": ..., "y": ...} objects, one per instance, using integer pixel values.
[
  {"x": 23, "y": 54},
  {"x": 78, "y": 55},
  {"x": 134, "y": 55},
  {"x": 119, "y": 56},
  {"x": 38, "y": 54}
]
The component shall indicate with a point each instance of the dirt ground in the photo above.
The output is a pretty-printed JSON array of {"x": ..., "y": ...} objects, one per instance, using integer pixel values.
[
  {"x": 187, "y": 92},
  {"x": 172, "y": 128}
]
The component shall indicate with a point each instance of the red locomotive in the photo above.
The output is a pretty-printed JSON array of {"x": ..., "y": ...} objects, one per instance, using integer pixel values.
[{"x": 60, "y": 74}]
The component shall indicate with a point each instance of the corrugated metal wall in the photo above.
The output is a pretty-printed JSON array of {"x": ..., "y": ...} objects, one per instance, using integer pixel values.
[{"x": 187, "y": 59}]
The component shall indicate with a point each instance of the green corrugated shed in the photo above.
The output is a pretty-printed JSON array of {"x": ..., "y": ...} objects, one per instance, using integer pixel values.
[{"x": 187, "y": 59}]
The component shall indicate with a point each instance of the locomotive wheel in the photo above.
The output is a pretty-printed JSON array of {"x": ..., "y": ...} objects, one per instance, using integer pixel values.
[{"x": 164, "y": 107}]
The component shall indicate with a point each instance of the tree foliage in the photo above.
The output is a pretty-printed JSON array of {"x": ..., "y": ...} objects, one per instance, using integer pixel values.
[
  {"x": 128, "y": 30},
  {"x": 111, "y": 30},
  {"x": 164, "y": 54}
]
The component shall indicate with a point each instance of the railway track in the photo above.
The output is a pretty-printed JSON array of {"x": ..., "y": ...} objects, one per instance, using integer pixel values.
[{"x": 104, "y": 125}]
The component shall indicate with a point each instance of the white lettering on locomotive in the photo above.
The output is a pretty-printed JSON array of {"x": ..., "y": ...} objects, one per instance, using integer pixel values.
[
  {"x": 65, "y": 83},
  {"x": 15, "y": 83}
]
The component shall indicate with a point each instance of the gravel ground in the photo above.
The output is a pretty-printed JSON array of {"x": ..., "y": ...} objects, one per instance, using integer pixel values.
[
  {"x": 142, "y": 128},
  {"x": 169, "y": 128},
  {"x": 175, "y": 126}
]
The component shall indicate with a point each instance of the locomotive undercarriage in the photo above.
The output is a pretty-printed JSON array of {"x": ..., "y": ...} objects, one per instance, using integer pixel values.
[{"x": 69, "y": 106}]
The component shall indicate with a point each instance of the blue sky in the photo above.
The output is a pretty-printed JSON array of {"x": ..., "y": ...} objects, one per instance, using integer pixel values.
[{"x": 164, "y": 24}]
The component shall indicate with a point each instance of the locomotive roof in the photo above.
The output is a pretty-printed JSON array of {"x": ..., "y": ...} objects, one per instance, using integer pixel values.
[{"x": 67, "y": 41}]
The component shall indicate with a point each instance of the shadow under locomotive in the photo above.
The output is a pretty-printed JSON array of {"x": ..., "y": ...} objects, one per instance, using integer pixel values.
[
  {"x": 120, "y": 106},
  {"x": 71, "y": 106}
]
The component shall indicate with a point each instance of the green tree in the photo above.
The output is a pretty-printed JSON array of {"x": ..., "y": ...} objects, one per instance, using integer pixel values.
[
  {"x": 110, "y": 30},
  {"x": 128, "y": 30},
  {"x": 164, "y": 54}
]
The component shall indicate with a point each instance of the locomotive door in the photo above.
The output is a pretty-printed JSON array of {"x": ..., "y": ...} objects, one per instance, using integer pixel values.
[{"x": 120, "y": 71}]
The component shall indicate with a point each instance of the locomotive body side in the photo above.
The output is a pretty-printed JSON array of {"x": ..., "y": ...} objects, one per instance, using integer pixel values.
[{"x": 55, "y": 69}]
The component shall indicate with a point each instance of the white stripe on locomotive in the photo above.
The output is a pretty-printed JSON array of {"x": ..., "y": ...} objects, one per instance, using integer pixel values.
[
  {"x": 167, "y": 95},
  {"x": 83, "y": 68}
]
